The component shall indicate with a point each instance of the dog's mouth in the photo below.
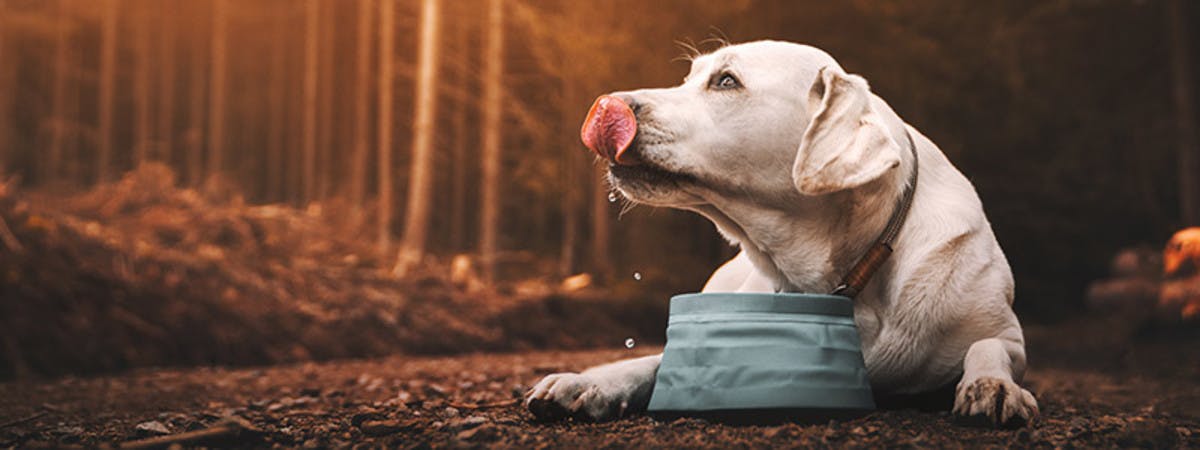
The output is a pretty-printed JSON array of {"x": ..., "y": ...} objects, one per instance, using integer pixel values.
[
  {"x": 614, "y": 131},
  {"x": 648, "y": 173}
]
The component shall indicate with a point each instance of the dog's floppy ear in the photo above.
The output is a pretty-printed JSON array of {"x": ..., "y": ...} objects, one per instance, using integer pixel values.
[{"x": 847, "y": 144}]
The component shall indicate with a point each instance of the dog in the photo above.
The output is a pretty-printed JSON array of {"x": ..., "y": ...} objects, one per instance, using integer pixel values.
[{"x": 801, "y": 166}]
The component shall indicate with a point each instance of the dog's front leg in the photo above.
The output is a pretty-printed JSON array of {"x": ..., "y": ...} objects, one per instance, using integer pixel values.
[
  {"x": 601, "y": 393},
  {"x": 988, "y": 391}
]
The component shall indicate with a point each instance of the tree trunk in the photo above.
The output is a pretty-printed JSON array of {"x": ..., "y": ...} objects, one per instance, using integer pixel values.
[
  {"x": 309, "y": 130},
  {"x": 196, "y": 108},
  {"x": 362, "y": 108},
  {"x": 216, "y": 102},
  {"x": 420, "y": 188},
  {"x": 570, "y": 198},
  {"x": 5, "y": 68},
  {"x": 326, "y": 103},
  {"x": 141, "y": 87},
  {"x": 387, "y": 12},
  {"x": 108, "y": 62},
  {"x": 58, "y": 106},
  {"x": 166, "y": 61},
  {"x": 493, "y": 85},
  {"x": 277, "y": 91},
  {"x": 1185, "y": 114},
  {"x": 601, "y": 211},
  {"x": 458, "y": 177}
]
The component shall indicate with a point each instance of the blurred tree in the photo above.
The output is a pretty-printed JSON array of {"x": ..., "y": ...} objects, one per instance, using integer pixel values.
[
  {"x": 387, "y": 20},
  {"x": 142, "y": 134},
  {"x": 277, "y": 114},
  {"x": 601, "y": 223},
  {"x": 167, "y": 65},
  {"x": 362, "y": 107},
  {"x": 312, "y": 30},
  {"x": 571, "y": 165},
  {"x": 327, "y": 33},
  {"x": 458, "y": 158},
  {"x": 1185, "y": 114},
  {"x": 420, "y": 187},
  {"x": 216, "y": 91},
  {"x": 196, "y": 102},
  {"x": 108, "y": 62},
  {"x": 63, "y": 67},
  {"x": 493, "y": 87},
  {"x": 5, "y": 69}
]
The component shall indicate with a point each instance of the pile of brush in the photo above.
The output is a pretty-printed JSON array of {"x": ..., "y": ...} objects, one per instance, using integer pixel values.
[{"x": 141, "y": 272}]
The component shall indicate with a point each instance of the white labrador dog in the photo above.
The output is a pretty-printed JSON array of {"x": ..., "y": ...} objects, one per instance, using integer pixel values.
[{"x": 800, "y": 165}]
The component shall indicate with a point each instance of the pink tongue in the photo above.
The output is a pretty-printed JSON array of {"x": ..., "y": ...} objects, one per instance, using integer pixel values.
[{"x": 609, "y": 128}]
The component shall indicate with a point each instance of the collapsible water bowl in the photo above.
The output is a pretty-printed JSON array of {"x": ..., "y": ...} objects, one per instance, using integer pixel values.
[{"x": 755, "y": 358}]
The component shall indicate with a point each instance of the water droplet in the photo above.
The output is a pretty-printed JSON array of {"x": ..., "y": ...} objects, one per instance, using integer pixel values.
[
  {"x": 637, "y": 276},
  {"x": 629, "y": 343},
  {"x": 612, "y": 197}
]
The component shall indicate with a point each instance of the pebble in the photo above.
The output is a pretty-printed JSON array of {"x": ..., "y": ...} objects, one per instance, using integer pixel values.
[
  {"x": 468, "y": 423},
  {"x": 152, "y": 427},
  {"x": 380, "y": 427},
  {"x": 386, "y": 427},
  {"x": 481, "y": 433},
  {"x": 363, "y": 416}
]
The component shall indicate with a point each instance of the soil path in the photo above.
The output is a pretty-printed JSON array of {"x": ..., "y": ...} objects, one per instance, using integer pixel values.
[{"x": 469, "y": 401}]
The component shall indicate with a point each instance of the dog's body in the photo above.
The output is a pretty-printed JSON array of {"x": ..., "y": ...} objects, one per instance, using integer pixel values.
[{"x": 801, "y": 165}]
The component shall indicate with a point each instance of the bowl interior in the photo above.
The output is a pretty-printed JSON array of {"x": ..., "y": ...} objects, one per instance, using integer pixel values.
[{"x": 785, "y": 303}]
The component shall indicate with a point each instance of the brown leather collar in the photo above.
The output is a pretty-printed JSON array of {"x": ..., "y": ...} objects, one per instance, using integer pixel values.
[{"x": 854, "y": 281}]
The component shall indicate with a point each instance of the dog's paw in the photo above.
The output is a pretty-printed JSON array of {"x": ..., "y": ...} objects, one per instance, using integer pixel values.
[
  {"x": 995, "y": 402},
  {"x": 586, "y": 397}
]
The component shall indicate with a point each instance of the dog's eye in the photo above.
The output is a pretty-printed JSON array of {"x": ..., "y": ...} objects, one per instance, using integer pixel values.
[{"x": 726, "y": 81}]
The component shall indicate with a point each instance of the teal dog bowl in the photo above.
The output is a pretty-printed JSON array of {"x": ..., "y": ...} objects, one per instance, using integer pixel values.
[{"x": 761, "y": 357}]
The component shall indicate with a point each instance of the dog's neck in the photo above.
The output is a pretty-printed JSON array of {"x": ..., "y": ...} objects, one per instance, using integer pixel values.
[{"x": 810, "y": 245}]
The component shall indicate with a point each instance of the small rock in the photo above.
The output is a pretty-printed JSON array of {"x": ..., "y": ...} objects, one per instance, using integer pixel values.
[
  {"x": 404, "y": 397},
  {"x": 434, "y": 389},
  {"x": 450, "y": 411},
  {"x": 74, "y": 429},
  {"x": 366, "y": 415},
  {"x": 484, "y": 433},
  {"x": 519, "y": 390},
  {"x": 386, "y": 427},
  {"x": 467, "y": 423},
  {"x": 152, "y": 427}
]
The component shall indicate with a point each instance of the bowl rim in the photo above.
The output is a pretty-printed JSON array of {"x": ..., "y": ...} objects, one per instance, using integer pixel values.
[{"x": 774, "y": 303}]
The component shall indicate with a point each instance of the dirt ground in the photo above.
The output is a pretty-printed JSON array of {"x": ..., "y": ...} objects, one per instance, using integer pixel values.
[{"x": 1144, "y": 395}]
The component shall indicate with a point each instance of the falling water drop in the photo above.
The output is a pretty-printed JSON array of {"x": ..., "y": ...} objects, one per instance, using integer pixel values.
[
  {"x": 637, "y": 276},
  {"x": 612, "y": 197},
  {"x": 629, "y": 343}
]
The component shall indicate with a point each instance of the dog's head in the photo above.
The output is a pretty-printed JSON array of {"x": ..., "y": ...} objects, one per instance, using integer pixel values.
[{"x": 767, "y": 121}]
